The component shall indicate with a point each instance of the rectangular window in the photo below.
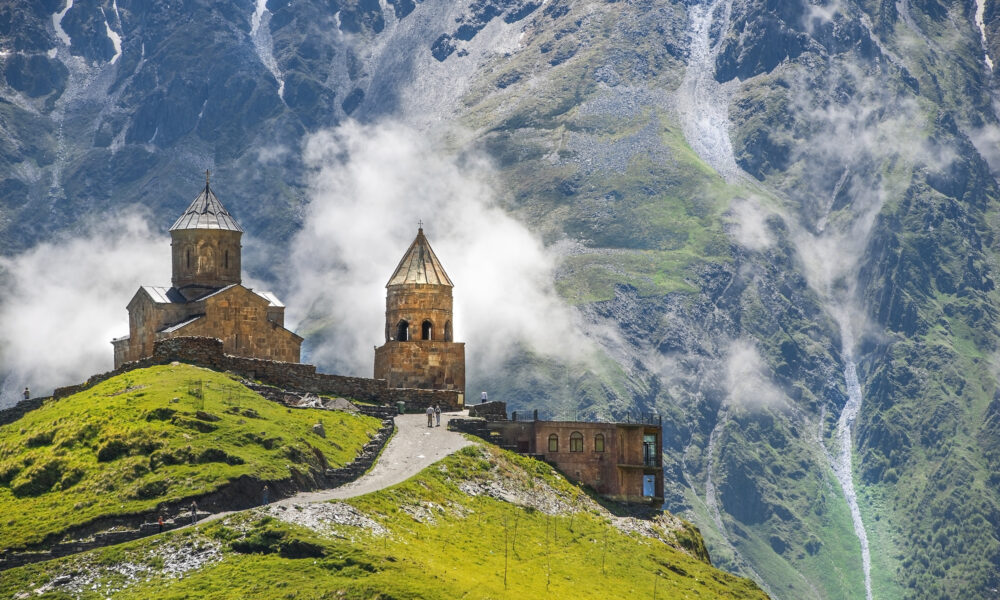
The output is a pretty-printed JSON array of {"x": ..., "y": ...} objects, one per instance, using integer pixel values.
[
  {"x": 649, "y": 485},
  {"x": 553, "y": 443},
  {"x": 650, "y": 451}
]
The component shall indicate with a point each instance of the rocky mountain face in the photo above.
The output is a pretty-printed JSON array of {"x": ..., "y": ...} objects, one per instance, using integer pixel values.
[{"x": 777, "y": 219}]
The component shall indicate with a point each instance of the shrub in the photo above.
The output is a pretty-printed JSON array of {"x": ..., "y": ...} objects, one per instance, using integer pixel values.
[
  {"x": 160, "y": 414},
  {"x": 112, "y": 449},
  {"x": 38, "y": 479},
  {"x": 195, "y": 424},
  {"x": 215, "y": 455},
  {"x": 150, "y": 489},
  {"x": 40, "y": 439}
]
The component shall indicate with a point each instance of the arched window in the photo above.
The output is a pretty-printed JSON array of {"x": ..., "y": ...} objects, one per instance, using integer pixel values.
[
  {"x": 402, "y": 331},
  {"x": 553, "y": 443},
  {"x": 576, "y": 442},
  {"x": 426, "y": 330},
  {"x": 447, "y": 331},
  {"x": 599, "y": 442}
]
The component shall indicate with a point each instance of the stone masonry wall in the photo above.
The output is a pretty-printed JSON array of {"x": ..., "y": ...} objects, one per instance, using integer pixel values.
[
  {"x": 422, "y": 364},
  {"x": 207, "y": 352}
]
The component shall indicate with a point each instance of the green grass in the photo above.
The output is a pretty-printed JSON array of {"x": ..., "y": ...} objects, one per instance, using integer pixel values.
[
  {"x": 151, "y": 436},
  {"x": 438, "y": 542}
]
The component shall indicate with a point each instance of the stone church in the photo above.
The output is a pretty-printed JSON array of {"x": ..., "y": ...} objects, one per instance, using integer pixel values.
[
  {"x": 207, "y": 297},
  {"x": 419, "y": 351}
]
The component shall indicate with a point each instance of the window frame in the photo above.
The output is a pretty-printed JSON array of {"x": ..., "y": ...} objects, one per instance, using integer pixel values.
[
  {"x": 553, "y": 440},
  {"x": 599, "y": 438},
  {"x": 576, "y": 442}
]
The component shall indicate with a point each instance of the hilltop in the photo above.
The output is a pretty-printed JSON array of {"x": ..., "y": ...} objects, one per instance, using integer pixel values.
[
  {"x": 154, "y": 439},
  {"x": 482, "y": 523}
]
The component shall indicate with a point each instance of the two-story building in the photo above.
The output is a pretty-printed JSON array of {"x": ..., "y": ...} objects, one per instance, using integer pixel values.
[{"x": 622, "y": 461}]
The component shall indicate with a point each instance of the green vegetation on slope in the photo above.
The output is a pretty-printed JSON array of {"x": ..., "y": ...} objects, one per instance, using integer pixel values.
[
  {"x": 151, "y": 436},
  {"x": 482, "y": 523}
]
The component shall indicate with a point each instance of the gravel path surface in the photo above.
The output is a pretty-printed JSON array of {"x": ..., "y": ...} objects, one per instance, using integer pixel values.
[{"x": 412, "y": 448}]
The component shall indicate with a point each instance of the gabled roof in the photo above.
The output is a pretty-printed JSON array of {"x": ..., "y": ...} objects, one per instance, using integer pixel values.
[
  {"x": 162, "y": 295},
  {"x": 206, "y": 212},
  {"x": 181, "y": 325},
  {"x": 420, "y": 265},
  {"x": 270, "y": 297}
]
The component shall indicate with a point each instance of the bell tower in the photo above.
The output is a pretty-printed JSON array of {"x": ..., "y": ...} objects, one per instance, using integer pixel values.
[
  {"x": 419, "y": 349},
  {"x": 205, "y": 247}
]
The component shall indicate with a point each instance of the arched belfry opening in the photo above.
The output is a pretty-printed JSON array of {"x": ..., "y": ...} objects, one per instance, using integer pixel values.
[
  {"x": 402, "y": 331},
  {"x": 426, "y": 330},
  {"x": 447, "y": 331}
]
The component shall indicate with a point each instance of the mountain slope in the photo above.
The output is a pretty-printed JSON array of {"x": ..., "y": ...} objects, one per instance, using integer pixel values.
[
  {"x": 151, "y": 438},
  {"x": 775, "y": 219},
  {"x": 481, "y": 523}
]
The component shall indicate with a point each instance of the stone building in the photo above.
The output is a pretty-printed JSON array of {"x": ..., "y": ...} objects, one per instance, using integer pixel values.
[
  {"x": 622, "y": 461},
  {"x": 207, "y": 297},
  {"x": 419, "y": 351}
]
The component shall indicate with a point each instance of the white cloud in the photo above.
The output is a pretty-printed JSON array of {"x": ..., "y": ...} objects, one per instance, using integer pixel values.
[
  {"x": 747, "y": 378},
  {"x": 370, "y": 187},
  {"x": 750, "y": 224},
  {"x": 65, "y": 300}
]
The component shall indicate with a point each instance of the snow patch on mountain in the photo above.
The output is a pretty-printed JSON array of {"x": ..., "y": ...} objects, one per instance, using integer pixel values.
[
  {"x": 980, "y": 10},
  {"x": 260, "y": 34},
  {"x": 57, "y": 23},
  {"x": 116, "y": 40}
]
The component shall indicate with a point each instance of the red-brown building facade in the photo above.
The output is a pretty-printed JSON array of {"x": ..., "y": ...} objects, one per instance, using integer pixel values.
[{"x": 622, "y": 461}]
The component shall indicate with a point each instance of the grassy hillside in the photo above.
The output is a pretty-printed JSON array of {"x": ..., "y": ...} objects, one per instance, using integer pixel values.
[
  {"x": 151, "y": 436},
  {"x": 482, "y": 523}
]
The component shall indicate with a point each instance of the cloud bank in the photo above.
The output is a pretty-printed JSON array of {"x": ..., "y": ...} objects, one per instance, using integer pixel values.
[
  {"x": 370, "y": 187},
  {"x": 63, "y": 302}
]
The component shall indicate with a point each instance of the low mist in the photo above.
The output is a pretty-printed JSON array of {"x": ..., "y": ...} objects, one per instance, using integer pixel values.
[
  {"x": 370, "y": 187},
  {"x": 65, "y": 300}
]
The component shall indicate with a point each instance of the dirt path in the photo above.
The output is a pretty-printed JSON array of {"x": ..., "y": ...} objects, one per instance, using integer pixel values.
[{"x": 414, "y": 447}]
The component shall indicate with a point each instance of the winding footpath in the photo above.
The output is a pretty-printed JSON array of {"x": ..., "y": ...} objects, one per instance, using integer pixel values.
[{"x": 413, "y": 447}]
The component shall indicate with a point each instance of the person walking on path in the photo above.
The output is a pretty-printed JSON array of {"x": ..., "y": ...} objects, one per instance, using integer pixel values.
[
  {"x": 264, "y": 495},
  {"x": 483, "y": 398},
  {"x": 27, "y": 393},
  {"x": 437, "y": 414},
  {"x": 160, "y": 523},
  {"x": 430, "y": 416},
  {"x": 194, "y": 511}
]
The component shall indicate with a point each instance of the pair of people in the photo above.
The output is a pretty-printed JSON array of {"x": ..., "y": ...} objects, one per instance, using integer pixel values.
[{"x": 432, "y": 412}]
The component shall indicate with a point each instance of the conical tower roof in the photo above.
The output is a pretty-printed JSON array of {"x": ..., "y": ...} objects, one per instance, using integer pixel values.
[
  {"x": 420, "y": 265},
  {"x": 206, "y": 212}
]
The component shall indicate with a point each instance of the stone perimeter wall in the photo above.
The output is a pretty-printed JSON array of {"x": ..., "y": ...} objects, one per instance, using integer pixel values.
[{"x": 298, "y": 377}]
